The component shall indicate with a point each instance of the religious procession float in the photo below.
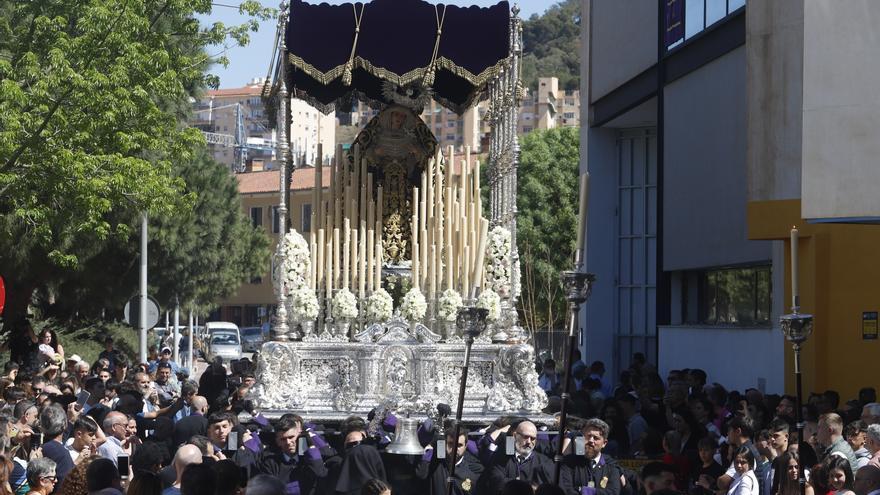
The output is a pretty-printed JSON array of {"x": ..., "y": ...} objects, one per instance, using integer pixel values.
[{"x": 369, "y": 296}]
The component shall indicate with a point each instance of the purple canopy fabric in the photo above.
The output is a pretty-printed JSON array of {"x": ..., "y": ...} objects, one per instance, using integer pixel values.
[{"x": 394, "y": 48}]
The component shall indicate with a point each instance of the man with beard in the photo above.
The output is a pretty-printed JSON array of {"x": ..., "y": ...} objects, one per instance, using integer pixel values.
[
  {"x": 435, "y": 470},
  {"x": 526, "y": 464},
  {"x": 594, "y": 473},
  {"x": 359, "y": 462}
]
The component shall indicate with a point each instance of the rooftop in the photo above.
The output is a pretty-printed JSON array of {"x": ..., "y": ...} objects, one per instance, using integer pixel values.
[{"x": 268, "y": 181}]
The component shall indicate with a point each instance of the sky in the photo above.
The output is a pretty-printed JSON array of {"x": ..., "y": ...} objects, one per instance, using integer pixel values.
[{"x": 247, "y": 63}]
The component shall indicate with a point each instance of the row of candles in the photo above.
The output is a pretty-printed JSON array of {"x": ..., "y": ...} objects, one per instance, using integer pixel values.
[{"x": 448, "y": 232}]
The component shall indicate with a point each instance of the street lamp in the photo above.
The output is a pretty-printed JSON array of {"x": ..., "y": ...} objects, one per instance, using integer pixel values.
[
  {"x": 471, "y": 322},
  {"x": 797, "y": 328}
]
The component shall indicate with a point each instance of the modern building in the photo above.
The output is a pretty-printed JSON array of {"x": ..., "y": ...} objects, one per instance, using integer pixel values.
[
  {"x": 713, "y": 128},
  {"x": 218, "y": 112}
]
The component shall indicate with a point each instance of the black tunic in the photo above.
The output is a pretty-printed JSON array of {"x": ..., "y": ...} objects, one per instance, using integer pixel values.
[
  {"x": 578, "y": 478},
  {"x": 300, "y": 473},
  {"x": 536, "y": 469},
  {"x": 355, "y": 467},
  {"x": 435, "y": 471}
]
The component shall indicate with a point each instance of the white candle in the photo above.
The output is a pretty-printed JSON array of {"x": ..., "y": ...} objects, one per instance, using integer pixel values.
[
  {"x": 320, "y": 258},
  {"x": 336, "y": 256},
  {"x": 378, "y": 265},
  {"x": 329, "y": 270},
  {"x": 481, "y": 252},
  {"x": 362, "y": 259},
  {"x": 582, "y": 216},
  {"x": 313, "y": 254},
  {"x": 371, "y": 234},
  {"x": 794, "y": 268},
  {"x": 346, "y": 255}
]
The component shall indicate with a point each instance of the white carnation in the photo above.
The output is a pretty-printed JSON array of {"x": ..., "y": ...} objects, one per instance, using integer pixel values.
[
  {"x": 380, "y": 306},
  {"x": 414, "y": 306},
  {"x": 304, "y": 304},
  {"x": 344, "y": 305},
  {"x": 448, "y": 304},
  {"x": 490, "y": 300}
]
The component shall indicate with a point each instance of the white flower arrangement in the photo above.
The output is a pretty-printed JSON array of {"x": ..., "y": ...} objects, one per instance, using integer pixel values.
[
  {"x": 448, "y": 304},
  {"x": 380, "y": 306},
  {"x": 344, "y": 305},
  {"x": 489, "y": 299},
  {"x": 497, "y": 270},
  {"x": 304, "y": 304},
  {"x": 414, "y": 306},
  {"x": 293, "y": 261}
]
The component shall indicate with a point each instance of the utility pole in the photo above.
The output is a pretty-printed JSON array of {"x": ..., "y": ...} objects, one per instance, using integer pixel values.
[{"x": 143, "y": 284}]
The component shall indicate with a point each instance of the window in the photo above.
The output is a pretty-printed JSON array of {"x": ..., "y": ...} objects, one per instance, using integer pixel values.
[
  {"x": 257, "y": 216},
  {"x": 450, "y": 124},
  {"x": 728, "y": 296},
  {"x": 568, "y": 115},
  {"x": 306, "y": 220},
  {"x": 697, "y": 15},
  {"x": 276, "y": 225},
  {"x": 527, "y": 129}
]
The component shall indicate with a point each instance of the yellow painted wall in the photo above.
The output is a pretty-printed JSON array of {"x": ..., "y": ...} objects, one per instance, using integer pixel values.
[
  {"x": 263, "y": 294},
  {"x": 839, "y": 270}
]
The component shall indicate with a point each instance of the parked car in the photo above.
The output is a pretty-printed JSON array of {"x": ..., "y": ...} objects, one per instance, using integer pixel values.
[
  {"x": 252, "y": 338},
  {"x": 225, "y": 344}
]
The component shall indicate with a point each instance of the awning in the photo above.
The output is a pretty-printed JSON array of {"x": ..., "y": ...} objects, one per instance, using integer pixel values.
[{"x": 370, "y": 51}]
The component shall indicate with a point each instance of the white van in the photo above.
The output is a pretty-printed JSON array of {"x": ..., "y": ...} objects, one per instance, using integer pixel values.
[{"x": 223, "y": 340}]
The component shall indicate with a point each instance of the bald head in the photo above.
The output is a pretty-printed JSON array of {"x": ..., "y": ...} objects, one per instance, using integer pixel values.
[
  {"x": 187, "y": 454},
  {"x": 199, "y": 404}
]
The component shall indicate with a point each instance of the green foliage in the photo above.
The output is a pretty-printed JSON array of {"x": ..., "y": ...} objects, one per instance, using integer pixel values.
[
  {"x": 93, "y": 96},
  {"x": 551, "y": 45},
  {"x": 547, "y": 221}
]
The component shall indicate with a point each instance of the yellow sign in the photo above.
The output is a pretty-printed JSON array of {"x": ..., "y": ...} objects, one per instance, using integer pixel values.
[{"x": 869, "y": 325}]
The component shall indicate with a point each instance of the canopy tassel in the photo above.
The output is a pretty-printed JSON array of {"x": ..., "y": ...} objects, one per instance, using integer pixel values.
[
  {"x": 349, "y": 66},
  {"x": 428, "y": 80}
]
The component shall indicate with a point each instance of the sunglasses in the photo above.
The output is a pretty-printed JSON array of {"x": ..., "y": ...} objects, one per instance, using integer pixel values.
[{"x": 53, "y": 479}]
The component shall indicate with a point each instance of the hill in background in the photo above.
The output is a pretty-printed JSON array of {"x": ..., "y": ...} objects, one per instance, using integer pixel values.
[{"x": 551, "y": 45}]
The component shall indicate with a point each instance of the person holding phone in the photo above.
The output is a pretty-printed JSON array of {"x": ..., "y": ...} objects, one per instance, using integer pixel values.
[{"x": 118, "y": 442}]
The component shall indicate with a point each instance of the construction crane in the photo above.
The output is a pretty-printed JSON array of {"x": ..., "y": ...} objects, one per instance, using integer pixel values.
[{"x": 238, "y": 141}]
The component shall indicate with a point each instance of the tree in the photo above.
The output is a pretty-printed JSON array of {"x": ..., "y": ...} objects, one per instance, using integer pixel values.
[
  {"x": 551, "y": 45},
  {"x": 546, "y": 224},
  {"x": 90, "y": 99},
  {"x": 195, "y": 257}
]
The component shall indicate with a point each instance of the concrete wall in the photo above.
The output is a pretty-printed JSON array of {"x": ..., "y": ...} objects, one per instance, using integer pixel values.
[
  {"x": 841, "y": 109},
  {"x": 734, "y": 357},
  {"x": 623, "y": 42},
  {"x": 704, "y": 169},
  {"x": 774, "y": 70}
]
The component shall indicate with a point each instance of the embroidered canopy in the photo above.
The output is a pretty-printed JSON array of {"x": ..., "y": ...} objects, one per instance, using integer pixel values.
[{"x": 387, "y": 49}]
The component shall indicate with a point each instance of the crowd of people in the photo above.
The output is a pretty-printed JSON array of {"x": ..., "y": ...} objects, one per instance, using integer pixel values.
[{"x": 113, "y": 426}]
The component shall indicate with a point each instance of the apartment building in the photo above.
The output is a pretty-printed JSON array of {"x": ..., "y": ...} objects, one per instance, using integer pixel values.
[{"x": 218, "y": 113}]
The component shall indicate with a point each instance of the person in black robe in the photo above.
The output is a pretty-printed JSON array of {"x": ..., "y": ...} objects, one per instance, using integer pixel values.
[
  {"x": 593, "y": 473},
  {"x": 526, "y": 464},
  {"x": 434, "y": 470},
  {"x": 359, "y": 462},
  {"x": 299, "y": 470}
]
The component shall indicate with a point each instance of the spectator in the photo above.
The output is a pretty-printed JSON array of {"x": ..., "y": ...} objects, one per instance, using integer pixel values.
[
  {"x": 198, "y": 479},
  {"x": 41, "y": 476},
  {"x": 230, "y": 478},
  {"x": 830, "y": 437},
  {"x": 193, "y": 424},
  {"x": 6, "y": 468},
  {"x": 76, "y": 482},
  {"x": 867, "y": 395},
  {"x": 109, "y": 353},
  {"x": 840, "y": 476},
  {"x": 867, "y": 480},
  {"x": 10, "y": 370},
  {"x": 83, "y": 444},
  {"x": 855, "y": 436},
  {"x": 147, "y": 458},
  {"x": 548, "y": 379},
  {"x": 744, "y": 480},
  {"x": 219, "y": 426},
  {"x": 103, "y": 478},
  {"x": 785, "y": 477},
  {"x": 657, "y": 476},
  {"x": 164, "y": 357},
  {"x": 636, "y": 425},
  {"x": 145, "y": 484},
  {"x": 872, "y": 443},
  {"x": 50, "y": 338},
  {"x": 263, "y": 484},
  {"x": 186, "y": 455},
  {"x": 871, "y": 413},
  {"x": 707, "y": 473},
  {"x": 118, "y": 440},
  {"x": 53, "y": 422}
]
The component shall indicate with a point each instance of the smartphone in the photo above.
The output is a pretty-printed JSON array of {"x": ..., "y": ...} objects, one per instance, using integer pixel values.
[
  {"x": 36, "y": 440},
  {"x": 232, "y": 441},
  {"x": 302, "y": 445},
  {"x": 509, "y": 447},
  {"x": 122, "y": 466},
  {"x": 82, "y": 398},
  {"x": 441, "y": 449},
  {"x": 579, "y": 443}
]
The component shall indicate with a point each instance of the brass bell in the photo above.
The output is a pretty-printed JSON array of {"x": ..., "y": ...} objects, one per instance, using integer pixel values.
[{"x": 406, "y": 438}]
